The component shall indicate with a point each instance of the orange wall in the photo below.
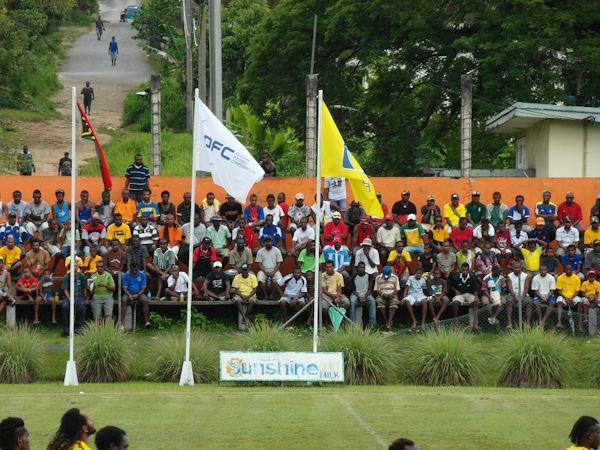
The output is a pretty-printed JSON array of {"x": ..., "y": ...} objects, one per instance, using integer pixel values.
[{"x": 585, "y": 189}]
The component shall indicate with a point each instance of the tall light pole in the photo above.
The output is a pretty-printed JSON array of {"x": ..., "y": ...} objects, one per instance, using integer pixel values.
[{"x": 216, "y": 73}]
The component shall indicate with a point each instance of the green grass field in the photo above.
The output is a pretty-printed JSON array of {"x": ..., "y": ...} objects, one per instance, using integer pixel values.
[{"x": 166, "y": 416}]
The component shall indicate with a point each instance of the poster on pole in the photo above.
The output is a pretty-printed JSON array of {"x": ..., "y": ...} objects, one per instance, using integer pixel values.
[{"x": 281, "y": 366}]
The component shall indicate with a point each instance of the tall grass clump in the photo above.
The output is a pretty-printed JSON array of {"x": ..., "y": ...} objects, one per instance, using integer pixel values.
[
  {"x": 170, "y": 353},
  {"x": 369, "y": 357},
  {"x": 533, "y": 359},
  {"x": 444, "y": 358},
  {"x": 266, "y": 337},
  {"x": 20, "y": 355},
  {"x": 103, "y": 355}
]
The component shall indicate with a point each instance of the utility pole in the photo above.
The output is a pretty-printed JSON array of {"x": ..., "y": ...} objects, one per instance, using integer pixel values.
[
  {"x": 155, "y": 122},
  {"x": 216, "y": 75},
  {"x": 202, "y": 53},
  {"x": 186, "y": 16},
  {"x": 311, "y": 110},
  {"x": 466, "y": 124}
]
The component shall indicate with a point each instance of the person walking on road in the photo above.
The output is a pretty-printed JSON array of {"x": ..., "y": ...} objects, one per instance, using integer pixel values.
[
  {"x": 113, "y": 51},
  {"x": 25, "y": 164},
  {"x": 99, "y": 27},
  {"x": 88, "y": 96}
]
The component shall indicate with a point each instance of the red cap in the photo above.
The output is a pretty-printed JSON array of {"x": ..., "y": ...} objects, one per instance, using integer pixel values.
[
  {"x": 388, "y": 217},
  {"x": 337, "y": 239}
]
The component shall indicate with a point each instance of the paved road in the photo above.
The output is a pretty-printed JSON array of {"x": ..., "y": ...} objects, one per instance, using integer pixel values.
[{"x": 88, "y": 58}]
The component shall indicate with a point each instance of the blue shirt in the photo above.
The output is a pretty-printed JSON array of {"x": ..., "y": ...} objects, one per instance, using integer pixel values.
[
  {"x": 149, "y": 209},
  {"x": 339, "y": 257},
  {"x": 260, "y": 215},
  {"x": 113, "y": 47},
  {"x": 16, "y": 230},
  {"x": 575, "y": 260},
  {"x": 61, "y": 213},
  {"x": 549, "y": 209},
  {"x": 272, "y": 231},
  {"x": 134, "y": 283},
  {"x": 516, "y": 216}
]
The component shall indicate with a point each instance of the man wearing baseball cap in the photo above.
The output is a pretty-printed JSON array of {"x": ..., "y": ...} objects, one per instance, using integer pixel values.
[
  {"x": 387, "y": 235},
  {"x": 592, "y": 259},
  {"x": 414, "y": 235},
  {"x": 590, "y": 293},
  {"x": 297, "y": 212},
  {"x": 591, "y": 234},
  {"x": 93, "y": 234},
  {"x": 454, "y": 210},
  {"x": 429, "y": 211},
  {"x": 335, "y": 228},
  {"x": 244, "y": 287},
  {"x": 339, "y": 254},
  {"x": 217, "y": 284},
  {"x": 565, "y": 236},
  {"x": 540, "y": 231},
  {"x": 475, "y": 209},
  {"x": 403, "y": 207}
]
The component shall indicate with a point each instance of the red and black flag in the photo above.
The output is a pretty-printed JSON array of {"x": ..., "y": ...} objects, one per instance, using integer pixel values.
[{"x": 88, "y": 133}]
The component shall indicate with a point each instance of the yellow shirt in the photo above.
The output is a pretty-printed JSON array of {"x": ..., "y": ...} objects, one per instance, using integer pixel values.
[
  {"x": 568, "y": 286},
  {"x": 331, "y": 283},
  {"x": 10, "y": 256},
  {"x": 394, "y": 254},
  {"x": 127, "y": 210},
  {"x": 80, "y": 445},
  {"x": 90, "y": 263},
  {"x": 532, "y": 258},
  {"x": 245, "y": 285},
  {"x": 453, "y": 218},
  {"x": 590, "y": 236},
  {"x": 122, "y": 233},
  {"x": 589, "y": 289},
  {"x": 440, "y": 235},
  {"x": 78, "y": 261}
]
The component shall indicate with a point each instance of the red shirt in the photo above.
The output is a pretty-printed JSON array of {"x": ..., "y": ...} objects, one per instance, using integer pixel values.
[
  {"x": 361, "y": 234},
  {"x": 28, "y": 282},
  {"x": 209, "y": 252},
  {"x": 341, "y": 229},
  {"x": 503, "y": 239},
  {"x": 248, "y": 236},
  {"x": 285, "y": 220},
  {"x": 459, "y": 235},
  {"x": 573, "y": 211}
]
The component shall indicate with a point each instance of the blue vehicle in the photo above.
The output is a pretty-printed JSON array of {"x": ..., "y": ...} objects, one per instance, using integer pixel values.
[{"x": 132, "y": 10}]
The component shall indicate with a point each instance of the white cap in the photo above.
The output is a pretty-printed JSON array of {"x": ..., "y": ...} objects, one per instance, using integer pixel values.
[{"x": 217, "y": 264}]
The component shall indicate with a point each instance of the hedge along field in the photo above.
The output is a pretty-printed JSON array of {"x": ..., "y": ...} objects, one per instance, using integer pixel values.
[{"x": 529, "y": 359}]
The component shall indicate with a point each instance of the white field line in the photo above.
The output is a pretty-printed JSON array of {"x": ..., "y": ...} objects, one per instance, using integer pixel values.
[{"x": 380, "y": 440}]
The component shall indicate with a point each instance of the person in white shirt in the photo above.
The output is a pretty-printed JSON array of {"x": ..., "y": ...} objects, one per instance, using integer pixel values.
[
  {"x": 335, "y": 192},
  {"x": 327, "y": 210},
  {"x": 517, "y": 285},
  {"x": 544, "y": 286},
  {"x": 178, "y": 285},
  {"x": 294, "y": 294},
  {"x": 565, "y": 236},
  {"x": 368, "y": 255},
  {"x": 518, "y": 236},
  {"x": 274, "y": 209},
  {"x": 302, "y": 236}
]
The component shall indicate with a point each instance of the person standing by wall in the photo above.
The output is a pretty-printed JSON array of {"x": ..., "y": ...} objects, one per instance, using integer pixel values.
[{"x": 25, "y": 164}]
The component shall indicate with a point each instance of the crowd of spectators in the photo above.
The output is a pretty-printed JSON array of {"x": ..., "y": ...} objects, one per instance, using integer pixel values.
[{"x": 441, "y": 256}]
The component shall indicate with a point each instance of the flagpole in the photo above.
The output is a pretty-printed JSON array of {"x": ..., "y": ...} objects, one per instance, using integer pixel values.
[
  {"x": 71, "y": 370},
  {"x": 317, "y": 294},
  {"x": 187, "y": 373}
]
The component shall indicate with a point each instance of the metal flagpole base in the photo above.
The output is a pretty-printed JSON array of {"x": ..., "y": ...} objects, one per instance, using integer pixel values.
[
  {"x": 71, "y": 374},
  {"x": 187, "y": 374}
]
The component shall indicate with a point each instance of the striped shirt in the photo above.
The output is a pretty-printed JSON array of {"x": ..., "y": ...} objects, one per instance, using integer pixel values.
[
  {"x": 138, "y": 177},
  {"x": 164, "y": 260}
]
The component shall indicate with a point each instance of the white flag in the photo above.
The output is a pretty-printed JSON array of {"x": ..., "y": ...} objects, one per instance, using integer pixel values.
[{"x": 219, "y": 152}]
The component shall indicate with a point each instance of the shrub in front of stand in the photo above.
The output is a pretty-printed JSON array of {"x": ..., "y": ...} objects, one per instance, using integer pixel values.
[
  {"x": 20, "y": 355},
  {"x": 103, "y": 354},
  {"x": 369, "y": 356},
  {"x": 533, "y": 359},
  {"x": 444, "y": 357}
]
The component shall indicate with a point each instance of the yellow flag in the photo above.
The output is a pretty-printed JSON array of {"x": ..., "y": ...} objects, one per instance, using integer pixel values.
[{"x": 337, "y": 161}]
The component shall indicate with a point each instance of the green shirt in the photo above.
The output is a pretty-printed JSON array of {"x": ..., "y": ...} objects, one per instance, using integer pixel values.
[
  {"x": 477, "y": 212},
  {"x": 25, "y": 163},
  {"x": 218, "y": 238},
  {"x": 309, "y": 261},
  {"x": 80, "y": 282},
  {"x": 105, "y": 278}
]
